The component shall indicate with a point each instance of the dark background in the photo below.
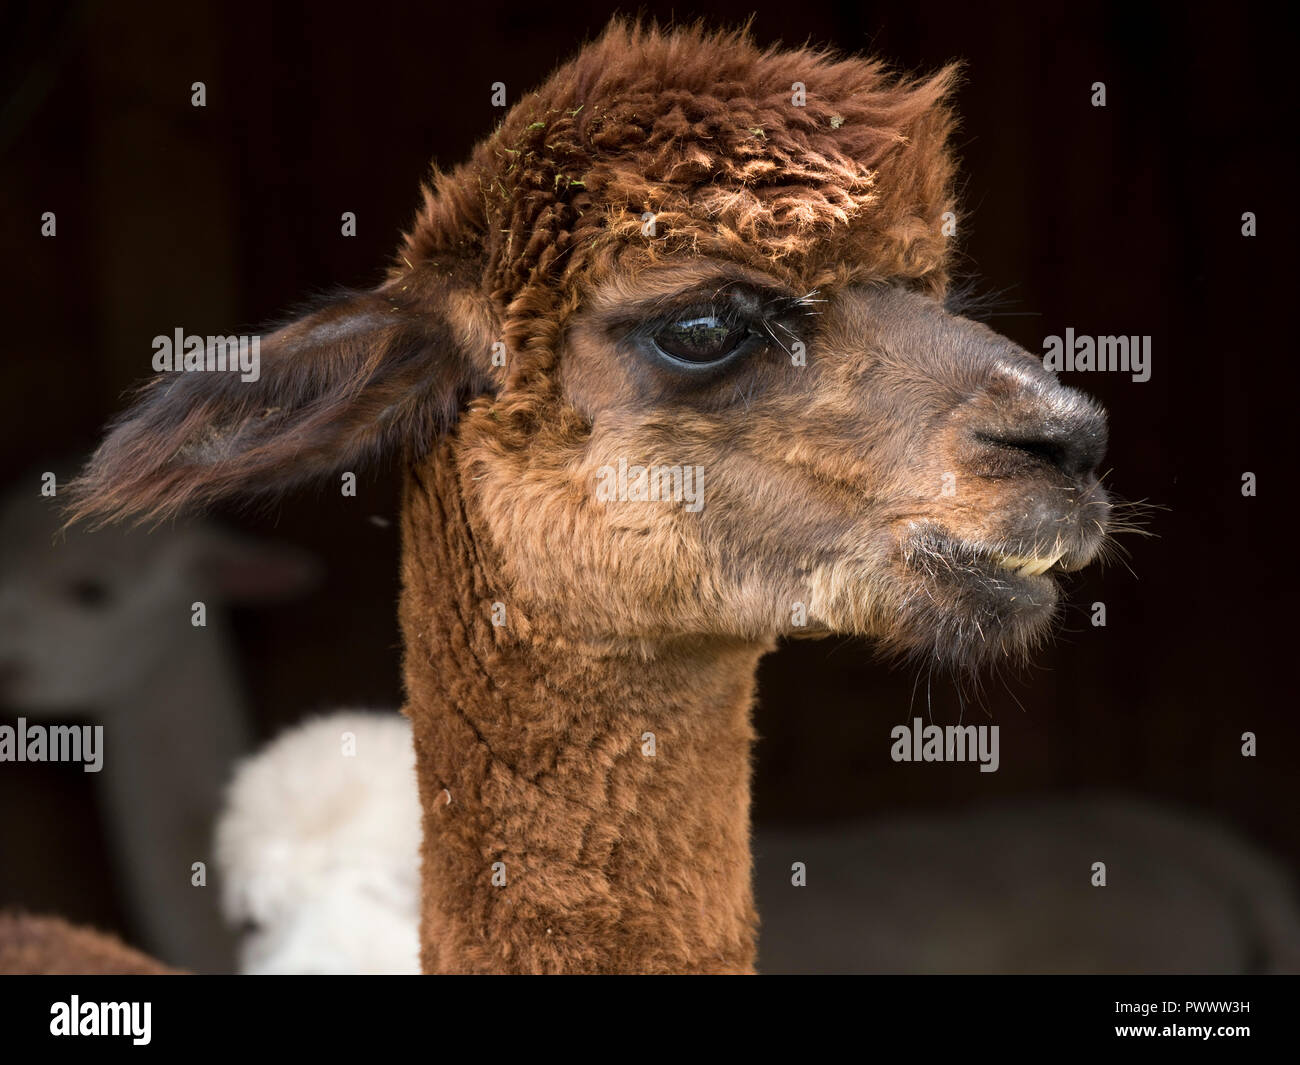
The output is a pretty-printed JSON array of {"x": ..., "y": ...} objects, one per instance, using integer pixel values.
[{"x": 1124, "y": 219}]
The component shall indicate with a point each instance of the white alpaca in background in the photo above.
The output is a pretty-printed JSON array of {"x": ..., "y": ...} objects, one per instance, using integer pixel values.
[
  {"x": 1007, "y": 887},
  {"x": 319, "y": 852},
  {"x": 96, "y": 628},
  {"x": 318, "y": 849}
]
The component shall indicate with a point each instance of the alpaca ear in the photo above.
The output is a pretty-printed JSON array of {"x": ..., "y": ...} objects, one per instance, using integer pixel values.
[{"x": 368, "y": 373}]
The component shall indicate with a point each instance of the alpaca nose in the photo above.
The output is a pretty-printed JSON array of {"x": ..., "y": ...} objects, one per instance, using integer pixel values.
[{"x": 1059, "y": 428}]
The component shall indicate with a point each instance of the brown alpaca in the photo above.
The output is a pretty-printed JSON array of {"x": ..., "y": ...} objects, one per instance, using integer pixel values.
[
  {"x": 685, "y": 269},
  {"x": 49, "y": 946}
]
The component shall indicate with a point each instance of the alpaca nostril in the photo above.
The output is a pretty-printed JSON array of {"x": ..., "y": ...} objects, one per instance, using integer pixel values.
[
  {"x": 1049, "y": 451},
  {"x": 1022, "y": 421},
  {"x": 1074, "y": 448}
]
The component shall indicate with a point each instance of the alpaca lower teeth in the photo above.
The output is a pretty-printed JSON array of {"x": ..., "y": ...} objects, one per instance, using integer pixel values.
[{"x": 1030, "y": 566}]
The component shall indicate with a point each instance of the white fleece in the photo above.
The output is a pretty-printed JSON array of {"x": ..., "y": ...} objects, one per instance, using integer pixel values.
[{"x": 318, "y": 849}]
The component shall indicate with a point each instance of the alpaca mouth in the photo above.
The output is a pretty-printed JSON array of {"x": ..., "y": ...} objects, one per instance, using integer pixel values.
[
  {"x": 967, "y": 603},
  {"x": 1040, "y": 565},
  {"x": 937, "y": 555},
  {"x": 1031, "y": 565}
]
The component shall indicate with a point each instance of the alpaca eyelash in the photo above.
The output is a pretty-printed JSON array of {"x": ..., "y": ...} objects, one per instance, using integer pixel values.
[
  {"x": 725, "y": 313},
  {"x": 765, "y": 311},
  {"x": 806, "y": 304}
]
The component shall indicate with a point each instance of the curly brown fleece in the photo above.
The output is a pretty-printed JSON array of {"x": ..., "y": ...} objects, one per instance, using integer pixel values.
[
  {"x": 49, "y": 946},
  {"x": 698, "y": 129},
  {"x": 532, "y": 753}
]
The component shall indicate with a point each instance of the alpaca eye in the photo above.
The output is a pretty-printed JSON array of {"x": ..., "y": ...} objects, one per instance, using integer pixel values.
[
  {"x": 89, "y": 592},
  {"x": 700, "y": 340}
]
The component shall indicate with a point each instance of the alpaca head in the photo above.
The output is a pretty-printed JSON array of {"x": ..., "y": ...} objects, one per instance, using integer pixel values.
[
  {"x": 88, "y": 618},
  {"x": 682, "y": 318}
]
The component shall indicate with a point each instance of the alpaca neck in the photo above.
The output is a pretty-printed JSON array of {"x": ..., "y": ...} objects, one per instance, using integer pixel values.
[
  {"x": 171, "y": 743},
  {"x": 558, "y": 835}
]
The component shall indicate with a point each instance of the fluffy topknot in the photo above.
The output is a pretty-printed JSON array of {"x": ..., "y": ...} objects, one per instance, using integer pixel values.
[{"x": 698, "y": 129}]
